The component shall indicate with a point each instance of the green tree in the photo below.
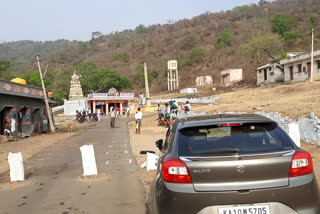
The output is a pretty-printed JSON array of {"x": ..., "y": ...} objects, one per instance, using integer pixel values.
[
  {"x": 282, "y": 23},
  {"x": 141, "y": 29},
  {"x": 4, "y": 65},
  {"x": 100, "y": 79},
  {"x": 313, "y": 21},
  {"x": 61, "y": 86},
  {"x": 225, "y": 38},
  {"x": 263, "y": 46},
  {"x": 4, "y": 69},
  {"x": 33, "y": 78}
]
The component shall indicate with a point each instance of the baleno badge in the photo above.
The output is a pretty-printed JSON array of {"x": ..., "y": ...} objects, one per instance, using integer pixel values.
[{"x": 241, "y": 169}]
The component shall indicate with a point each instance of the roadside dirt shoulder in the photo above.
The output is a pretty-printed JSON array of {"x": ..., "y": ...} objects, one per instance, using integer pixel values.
[
  {"x": 150, "y": 132},
  {"x": 29, "y": 146},
  {"x": 35, "y": 144}
]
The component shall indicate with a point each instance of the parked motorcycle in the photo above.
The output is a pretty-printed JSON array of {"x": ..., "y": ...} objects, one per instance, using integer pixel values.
[
  {"x": 80, "y": 117},
  {"x": 94, "y": 117}
]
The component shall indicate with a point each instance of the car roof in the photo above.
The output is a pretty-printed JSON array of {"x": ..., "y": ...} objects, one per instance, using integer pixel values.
[{"x": 203, "y": 120}]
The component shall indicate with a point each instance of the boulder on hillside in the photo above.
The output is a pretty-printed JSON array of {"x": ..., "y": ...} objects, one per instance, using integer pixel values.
[
  {"x": 204, "y": 80},
  {"x": 188, "y": 91}
]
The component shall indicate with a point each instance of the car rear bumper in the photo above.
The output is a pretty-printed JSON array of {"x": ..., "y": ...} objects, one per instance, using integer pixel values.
[
  {"x": 181, "y": 198},
  {"x": 275, "y": 207}
]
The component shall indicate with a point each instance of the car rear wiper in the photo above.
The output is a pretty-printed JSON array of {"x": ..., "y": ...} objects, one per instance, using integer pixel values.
[{"x": 222, "y": 151}]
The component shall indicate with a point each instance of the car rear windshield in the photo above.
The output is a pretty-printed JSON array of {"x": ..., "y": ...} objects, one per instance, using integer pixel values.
[{"x": 230, "y": 139}]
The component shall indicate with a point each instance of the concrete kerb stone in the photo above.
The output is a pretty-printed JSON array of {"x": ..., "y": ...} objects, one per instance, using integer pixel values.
[
  {"x": 88, "y": 160},
  {"x": 16, "y": 167}
]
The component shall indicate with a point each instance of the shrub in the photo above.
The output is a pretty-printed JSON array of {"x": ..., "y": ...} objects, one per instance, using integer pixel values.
[
  {"x": 120, "y": 57},
  {"x": 197, "y": 55},
  {"x": 225, "y": 38},
  {"x": 282, "y": 23},
  {"x": 291, "y": 35},
  {"x": 141, "y": 29}
]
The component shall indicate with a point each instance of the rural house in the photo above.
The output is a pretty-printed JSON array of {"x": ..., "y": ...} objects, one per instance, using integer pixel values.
[
  {"x": 269, "y": 73},
  {"x": 298, "y": 68},
  {"x": 231, "y": 76}
]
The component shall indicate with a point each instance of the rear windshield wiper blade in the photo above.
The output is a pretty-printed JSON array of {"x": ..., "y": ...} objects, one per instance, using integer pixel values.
[{"x": 222, "y": 151}]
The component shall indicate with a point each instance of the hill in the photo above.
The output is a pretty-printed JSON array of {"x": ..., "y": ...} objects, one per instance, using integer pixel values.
[
  {"x": 25, "y": 51},
  {"x": 244, "y": 37}
]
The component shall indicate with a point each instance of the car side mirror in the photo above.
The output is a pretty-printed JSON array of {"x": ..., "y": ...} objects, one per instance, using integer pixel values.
[{"x": 159, "y": 144}]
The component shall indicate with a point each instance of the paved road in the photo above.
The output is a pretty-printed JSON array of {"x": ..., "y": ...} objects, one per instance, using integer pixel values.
[{"x": 55, "y": 186}]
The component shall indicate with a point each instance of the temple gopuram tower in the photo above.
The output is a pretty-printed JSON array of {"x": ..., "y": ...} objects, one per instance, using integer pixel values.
[{"x": 75, "y": 92}]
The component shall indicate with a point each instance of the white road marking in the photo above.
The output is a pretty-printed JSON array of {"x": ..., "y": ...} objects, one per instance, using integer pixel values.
[
  {"x": 118, "y": 146},
  {"x": 124, "y": 161},
  {"x": 116, "y": 152}
]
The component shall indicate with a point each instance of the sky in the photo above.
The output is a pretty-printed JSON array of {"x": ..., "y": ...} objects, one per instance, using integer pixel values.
[{"x": 44, "y": 20}]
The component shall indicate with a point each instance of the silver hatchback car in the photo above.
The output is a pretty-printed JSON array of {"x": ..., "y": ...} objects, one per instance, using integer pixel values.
[{"x": 232, "y": 164}]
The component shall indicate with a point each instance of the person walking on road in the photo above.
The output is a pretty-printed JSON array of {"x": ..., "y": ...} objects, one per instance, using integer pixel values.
[
  {"x": 99, "y": 114},
  {"x": 159, "y": 111},
  {"x": 113, "y": 115},
  {"x": 138, "y": 117}
]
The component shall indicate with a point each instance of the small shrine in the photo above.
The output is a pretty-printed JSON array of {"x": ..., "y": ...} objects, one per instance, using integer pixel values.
[
  {"x": 75, "y": 92},
  {"x": 104, "y": 101}
]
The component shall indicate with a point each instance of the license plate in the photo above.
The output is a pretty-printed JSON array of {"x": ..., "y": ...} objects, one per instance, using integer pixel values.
[{"x": 264, "y": 209}]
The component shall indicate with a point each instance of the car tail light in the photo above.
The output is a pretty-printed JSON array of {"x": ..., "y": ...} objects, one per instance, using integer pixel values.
[
  {"x": 230, "y": 124},
  {"x": 301, "y": 164},
  {"x": 175, "y": 171}
]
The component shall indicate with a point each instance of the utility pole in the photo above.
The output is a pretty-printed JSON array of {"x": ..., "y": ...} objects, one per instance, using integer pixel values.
[
  {"x": 312, "y": 43},
  {"x": 45, "y": 97},
  {"x": 146, "y": 80}
]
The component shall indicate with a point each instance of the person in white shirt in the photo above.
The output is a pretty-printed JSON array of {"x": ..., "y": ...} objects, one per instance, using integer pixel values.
[
  {"x": 187, "y": 107},
  {"x": 99, "y": 114},
  {"x": 113, "y": 115},
  {"x": 138, "y": 117}
]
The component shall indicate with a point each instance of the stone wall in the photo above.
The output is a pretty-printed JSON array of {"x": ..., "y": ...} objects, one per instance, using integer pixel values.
[
  {"x": 71, "y": 106},
  {"x": 203, "y": 100},
  {"x": 309, "y": 126}
]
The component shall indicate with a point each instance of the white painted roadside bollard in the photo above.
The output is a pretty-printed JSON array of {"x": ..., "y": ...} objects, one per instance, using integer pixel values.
[
  {"x": 16, "y": 166},
  {"x": 88, "y": 160},
  {"x": 294, "y": 133},
  {"x": 152, "y": 159}
]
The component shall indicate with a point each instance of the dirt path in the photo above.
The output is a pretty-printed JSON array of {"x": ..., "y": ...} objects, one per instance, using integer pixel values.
[
  {"x": 150, "y": 132},
  {"x": 55, "y": 185}
]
